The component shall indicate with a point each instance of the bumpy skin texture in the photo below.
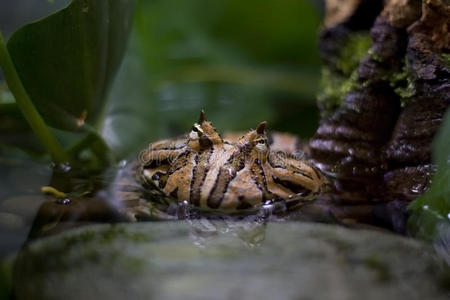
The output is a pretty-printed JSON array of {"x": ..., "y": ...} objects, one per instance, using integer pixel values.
[
  {"x": 215, "y": 174},
  {"x": 377, "y": 144}
]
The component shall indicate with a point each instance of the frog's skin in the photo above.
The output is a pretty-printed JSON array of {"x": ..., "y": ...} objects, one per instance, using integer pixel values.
[{"x": 211, "y": 173}]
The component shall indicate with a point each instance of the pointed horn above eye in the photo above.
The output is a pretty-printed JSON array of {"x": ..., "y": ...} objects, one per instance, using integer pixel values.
[
  {"x": 261, "y": 127},
  {"x": 202, "y": 117}
]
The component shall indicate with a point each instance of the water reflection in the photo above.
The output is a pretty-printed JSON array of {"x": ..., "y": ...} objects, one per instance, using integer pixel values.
[
  {"x": 442, "y": 242},
  {"x": 249, "y": 232},
  {"x": 20, "y": 200},
  {"x": 107, "y": 198}
]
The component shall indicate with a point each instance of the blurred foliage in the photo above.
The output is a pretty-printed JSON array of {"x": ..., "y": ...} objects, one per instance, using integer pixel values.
[
  {"x": 66, "y": 61},
  {"x": 242, "y": 61},
  {"x": 431, "y": 212}
]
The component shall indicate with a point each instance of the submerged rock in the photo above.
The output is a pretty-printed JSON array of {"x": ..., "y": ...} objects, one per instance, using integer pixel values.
[{"x": 217, "y": 260}]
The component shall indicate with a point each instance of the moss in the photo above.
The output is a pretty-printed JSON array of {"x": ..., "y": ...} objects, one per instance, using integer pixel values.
[
  {"x": 374, "y": 56},
  {"x": 94, "y": 244},
  {"x": 381, "y": 270},
  {"x": 406, "y": 93},
  {"x": 336, "y": 84},
  {"x": 340, "y": 244},
  {"x": 105, "y": 237},
  {"x": 445, "y": 58},
  {"x": 333, "y": 89},
  {"x": 403, "y": 85},
  {"x": 355, "y": 48}
]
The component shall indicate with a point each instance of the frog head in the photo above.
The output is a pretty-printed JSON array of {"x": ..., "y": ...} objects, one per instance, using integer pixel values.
[
  {"x": 255, "y": 143},
  {"x": 203, "y": 134}
]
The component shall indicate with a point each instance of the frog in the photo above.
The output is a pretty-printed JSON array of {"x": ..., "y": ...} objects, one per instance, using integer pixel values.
[{"x": 213, "y": 174}]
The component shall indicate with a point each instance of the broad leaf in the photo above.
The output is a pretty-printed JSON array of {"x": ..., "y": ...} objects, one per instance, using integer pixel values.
[{"x": 68, "y": 60}]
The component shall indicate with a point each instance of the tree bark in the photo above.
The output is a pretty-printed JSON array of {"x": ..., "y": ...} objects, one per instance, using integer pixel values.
[{"x": 383, "y": 98}]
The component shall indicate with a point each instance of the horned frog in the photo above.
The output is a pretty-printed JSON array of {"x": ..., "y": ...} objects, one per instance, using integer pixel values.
[{"x": 223, "y": 175}]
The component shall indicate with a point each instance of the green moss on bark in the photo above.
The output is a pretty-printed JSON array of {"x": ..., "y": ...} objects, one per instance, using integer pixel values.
[
  {"x": 355, "y": 48},
  {"x": 445, "y": 58},
  {"x": 338, "y": 81},
  {"x": 403, "y": 85},
  {"x": 333, "y": 89}
]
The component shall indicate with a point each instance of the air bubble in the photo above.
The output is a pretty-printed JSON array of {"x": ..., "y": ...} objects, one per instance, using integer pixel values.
[
  {"x": 63, "y": 201},
  {"x": 416, "y": 189},
  {"x": 122, "y": 164},
  {"x": 65, "y": 167}
]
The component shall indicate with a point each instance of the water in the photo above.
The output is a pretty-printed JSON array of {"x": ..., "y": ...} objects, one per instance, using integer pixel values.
[
  {"x": 199, "y": 253},
  {"x": 20, "y": 199},
  {"x": 78, "y": 199},
  {"x": 73, "y": 199}
]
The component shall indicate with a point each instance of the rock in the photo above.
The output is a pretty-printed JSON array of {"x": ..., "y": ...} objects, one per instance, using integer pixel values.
[{"x": 216, "y": 260}]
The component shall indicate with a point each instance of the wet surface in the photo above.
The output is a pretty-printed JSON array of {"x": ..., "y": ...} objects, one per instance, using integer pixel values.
[
  {"x": 20, "y": 199},
  {"x": 207, "y": 259},
  {"x": 37, "y": 214}
]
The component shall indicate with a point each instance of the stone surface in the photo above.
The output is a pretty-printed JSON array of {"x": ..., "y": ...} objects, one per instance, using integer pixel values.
[{"x": 216, "y": 260}]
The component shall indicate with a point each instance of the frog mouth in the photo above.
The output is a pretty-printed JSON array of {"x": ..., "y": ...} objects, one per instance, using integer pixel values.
[{"x": 297, "y": 189}]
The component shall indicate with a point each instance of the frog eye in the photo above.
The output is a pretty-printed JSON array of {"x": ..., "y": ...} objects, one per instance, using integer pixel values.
[{"x": 196, "y": 128}]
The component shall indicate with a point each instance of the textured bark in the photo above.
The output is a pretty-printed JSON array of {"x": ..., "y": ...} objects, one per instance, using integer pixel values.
[{"x": 376, "y": 145}]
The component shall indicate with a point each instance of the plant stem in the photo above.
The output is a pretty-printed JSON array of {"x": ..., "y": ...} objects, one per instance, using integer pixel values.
[
  {"x": 37, "y": 124},
  {"x": 98, "y": 146}
]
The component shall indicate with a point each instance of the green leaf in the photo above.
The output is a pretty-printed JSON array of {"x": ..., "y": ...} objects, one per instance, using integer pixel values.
[
  {"x": 68, "y": 60},
  {"x": 431, "y": 212}
]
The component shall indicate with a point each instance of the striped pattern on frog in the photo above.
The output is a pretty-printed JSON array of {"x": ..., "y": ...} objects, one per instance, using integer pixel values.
[{"x": 211, "y": 173}]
